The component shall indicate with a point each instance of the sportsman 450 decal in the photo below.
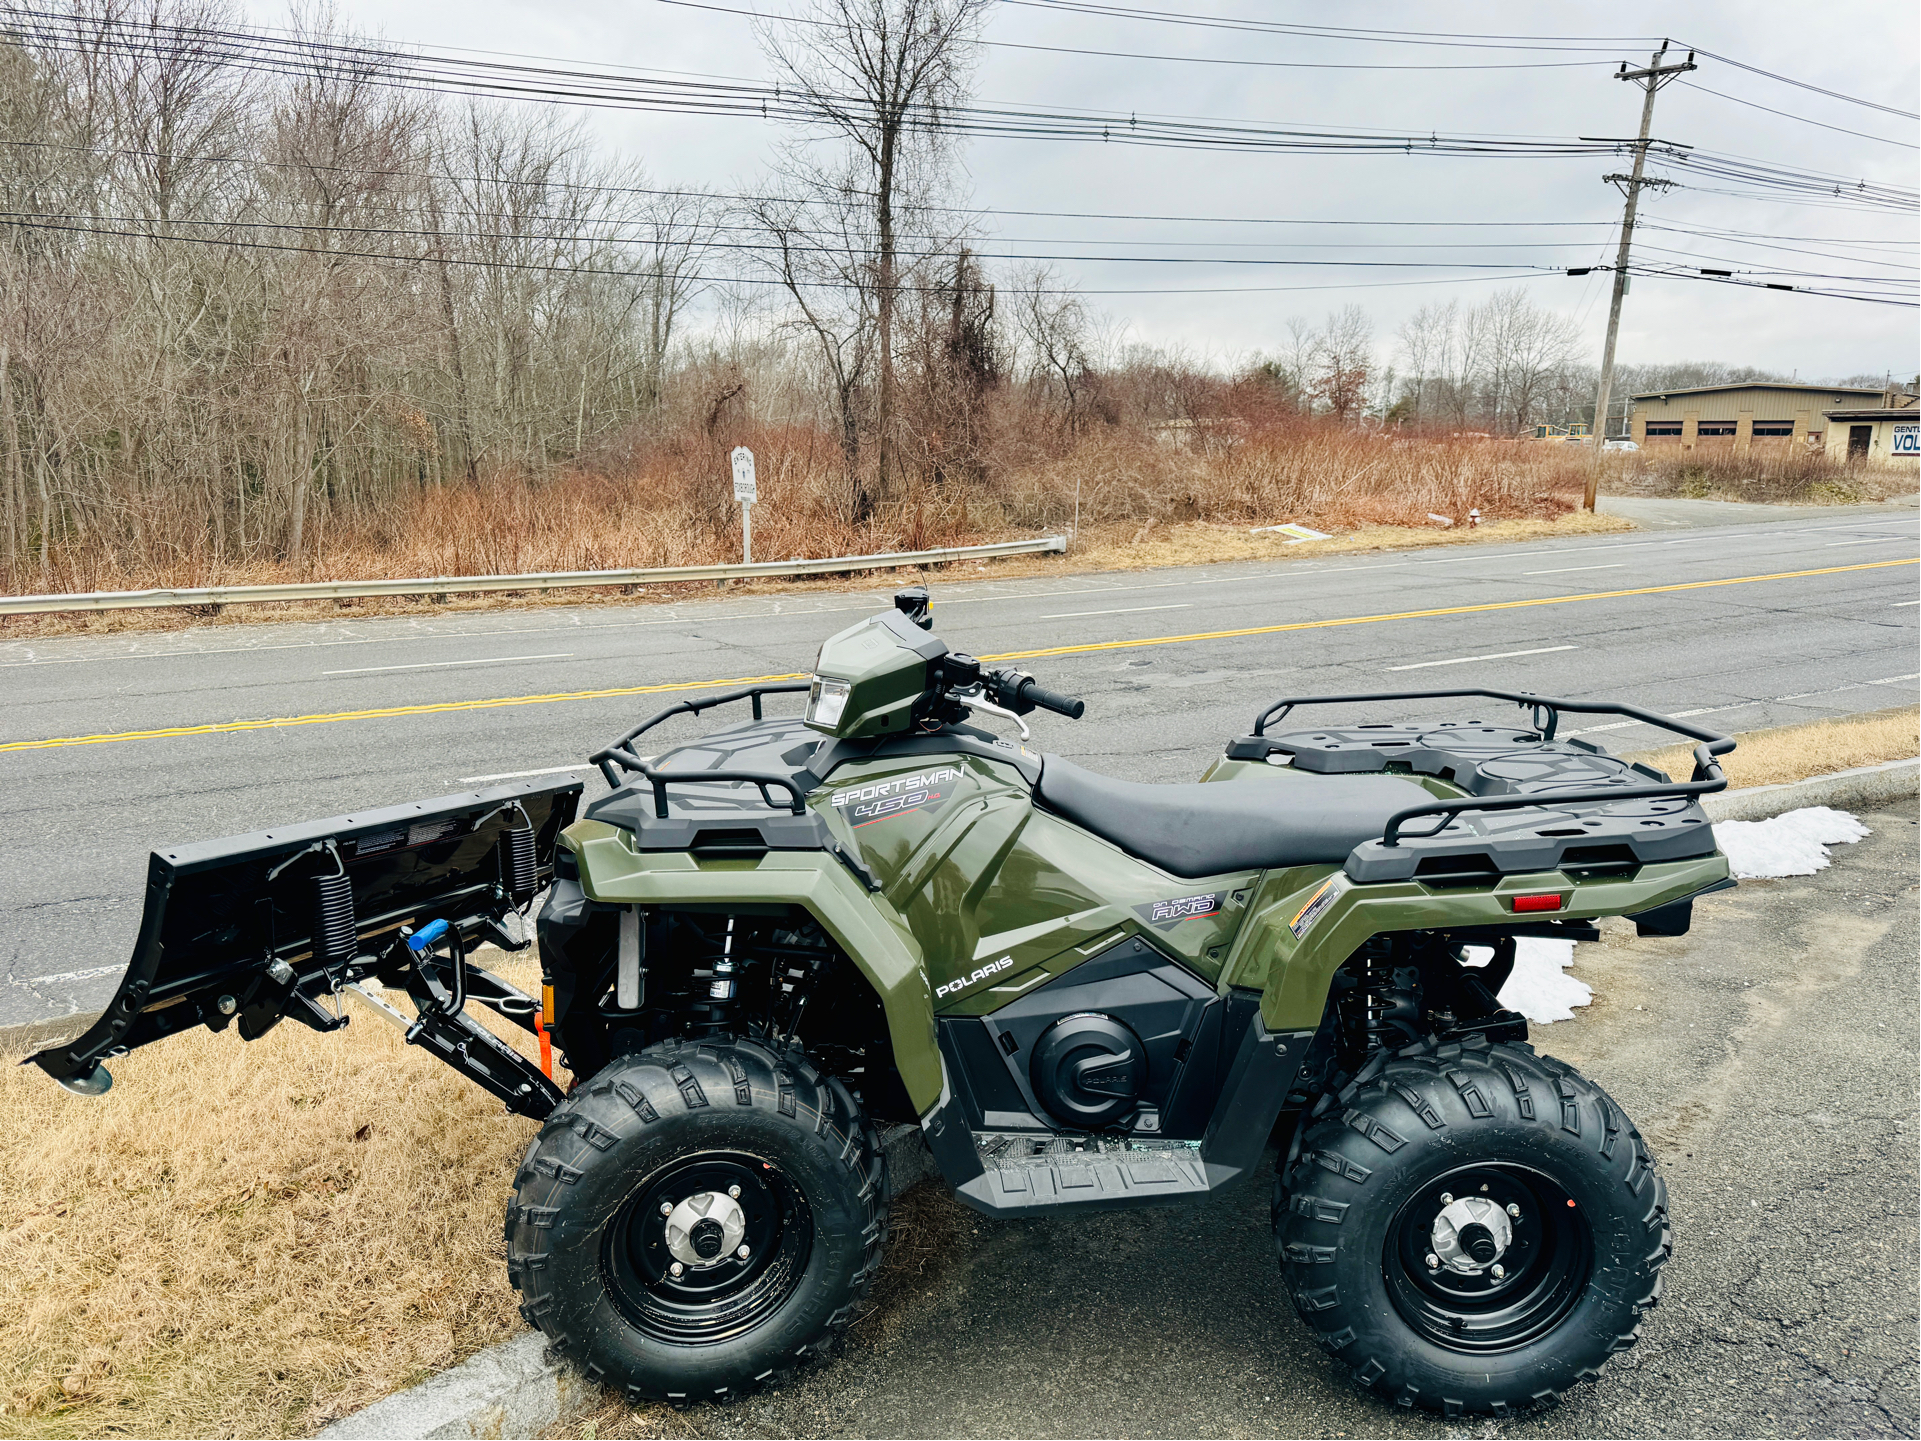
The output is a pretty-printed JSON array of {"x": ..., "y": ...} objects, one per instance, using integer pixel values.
[{"x": 895, "y": 796}]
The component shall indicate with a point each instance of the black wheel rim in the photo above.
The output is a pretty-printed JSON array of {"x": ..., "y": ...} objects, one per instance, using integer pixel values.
[
  {"x": 721, "y": 1294},
  {"x": 1544, "y": 1266}
]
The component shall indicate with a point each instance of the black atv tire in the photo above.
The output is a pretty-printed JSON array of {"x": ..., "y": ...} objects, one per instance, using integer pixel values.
[
  {"x": 587, "y": 1240},
  {"x": 1355, "y": 1227}
]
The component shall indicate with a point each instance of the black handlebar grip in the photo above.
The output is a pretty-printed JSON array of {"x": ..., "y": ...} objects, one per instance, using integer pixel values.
[{"x": 1070, "y": 706}]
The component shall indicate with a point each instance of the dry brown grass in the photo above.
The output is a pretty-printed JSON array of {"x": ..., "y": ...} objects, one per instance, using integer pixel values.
[
  {"x": 1105, "y": 547},
  {"x": 1772, "y": 472},
  {"x": 667, "y": 503},
  {"x": 247, "y": 1240},
  {"x": 1794, "y": 753}
]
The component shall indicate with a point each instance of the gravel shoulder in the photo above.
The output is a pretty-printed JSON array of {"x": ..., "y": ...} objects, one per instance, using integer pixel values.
[{"x": 1769, "y": 1057}]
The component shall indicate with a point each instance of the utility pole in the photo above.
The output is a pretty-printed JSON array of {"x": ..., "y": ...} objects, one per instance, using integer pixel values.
[{"x": 1650, "y": 79}]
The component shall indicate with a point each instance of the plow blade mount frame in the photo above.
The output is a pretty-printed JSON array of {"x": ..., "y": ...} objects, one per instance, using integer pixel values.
[{"x": 249, "y": 930}]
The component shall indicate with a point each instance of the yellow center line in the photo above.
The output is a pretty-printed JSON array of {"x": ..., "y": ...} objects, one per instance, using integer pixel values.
[{"x": 445, "y": 707}]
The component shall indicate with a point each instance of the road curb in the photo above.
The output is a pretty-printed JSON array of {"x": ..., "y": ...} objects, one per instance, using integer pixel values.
[
  {"x": 518, "y": 1388},
  {"x": 1863, "y": 785}
]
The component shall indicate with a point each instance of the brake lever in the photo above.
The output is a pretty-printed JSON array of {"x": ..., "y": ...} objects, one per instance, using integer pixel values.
[{"x": 981, "y": 703}]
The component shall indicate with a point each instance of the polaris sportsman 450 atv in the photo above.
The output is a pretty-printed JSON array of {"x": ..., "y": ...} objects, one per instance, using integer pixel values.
[{"x": 769, "y": 949}]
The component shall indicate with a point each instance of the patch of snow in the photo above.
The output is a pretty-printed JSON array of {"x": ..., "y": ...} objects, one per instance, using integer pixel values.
[
  {"x": 1793, "y": 844},
  {"x": 1538, "y": 987}
]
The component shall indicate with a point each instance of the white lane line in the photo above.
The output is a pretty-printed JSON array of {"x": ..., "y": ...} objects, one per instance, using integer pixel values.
[
  {"x": 1871, "y": 540},
  {"x": 1566, "y": 569},
  {"x": 517, "y": 775},
  {"x": 1498, "y": 655},
  {"x": 85, "y": 975},
  {"x": 1858, "y": 685},
  {"x": 1899, "y": 603},
  {"x": 1125, "y": 610},
  {"x": 444, "y": 664},
  {"x": 1744, "y": 705}
]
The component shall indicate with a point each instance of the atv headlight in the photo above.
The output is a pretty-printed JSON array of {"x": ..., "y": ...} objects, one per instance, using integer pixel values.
[{"x": 826, "y": 701}]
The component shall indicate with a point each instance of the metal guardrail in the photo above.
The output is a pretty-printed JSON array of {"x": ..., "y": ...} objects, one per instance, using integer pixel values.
[{"x": 556, "y": 580}]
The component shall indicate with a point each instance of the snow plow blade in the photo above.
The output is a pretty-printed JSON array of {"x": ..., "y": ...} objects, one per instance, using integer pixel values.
[{"x": 248, "y": 930}]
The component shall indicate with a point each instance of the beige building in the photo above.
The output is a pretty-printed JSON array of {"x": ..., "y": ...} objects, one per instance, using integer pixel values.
[
  {"x": 1737, "y": 416},
  {"x": 1889, "y": 432}
]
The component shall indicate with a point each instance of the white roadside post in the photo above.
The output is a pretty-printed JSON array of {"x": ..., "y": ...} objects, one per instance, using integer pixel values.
[{"x": 746, "y": 493}]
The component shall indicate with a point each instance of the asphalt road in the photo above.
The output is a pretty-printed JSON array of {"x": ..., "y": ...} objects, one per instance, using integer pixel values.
[
  {"x": 1769, "y": 1057},
  {"x": 111, "y": 746}
]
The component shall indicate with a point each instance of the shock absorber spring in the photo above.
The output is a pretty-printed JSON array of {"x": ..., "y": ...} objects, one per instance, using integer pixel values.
[
  {"x": 712, "y": 1012},
  {"x": 1384, "y": 1008}
]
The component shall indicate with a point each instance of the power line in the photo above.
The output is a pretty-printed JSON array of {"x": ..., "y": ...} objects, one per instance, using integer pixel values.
[
  {"x": 1691, "y": 85},
  {"x": 1430, "y": 37},
  {"x": 1180, "y": 59},
  {"x": 1802, "y": 84},
  {"x": 647, "y": 274},
  {"x": 252, "y": 50},
  {"x": 1446, "y": 38}
]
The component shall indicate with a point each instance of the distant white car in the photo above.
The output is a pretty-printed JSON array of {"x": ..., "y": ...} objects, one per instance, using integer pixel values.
[{"x": 1619, "y": 445}]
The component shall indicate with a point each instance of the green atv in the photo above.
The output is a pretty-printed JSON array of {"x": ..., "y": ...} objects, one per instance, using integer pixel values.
[{"x": 793, "y": 961}]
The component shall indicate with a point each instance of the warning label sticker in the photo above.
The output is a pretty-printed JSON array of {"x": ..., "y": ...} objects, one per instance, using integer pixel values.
[{"x": 1325, "y": 895}]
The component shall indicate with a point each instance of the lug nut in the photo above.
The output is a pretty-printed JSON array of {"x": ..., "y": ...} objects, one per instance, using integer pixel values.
[
  {"x": 675, "y": 1269},
  {"x": 1498, "y": 1269},
  {"x": 1514, "y": 1211},
  {"x": 1447, "y": 1198},
  {"x": 1433, "y": 1261},
  {"x": 666, "y": 1208},
  {"x": 743, "y": 1253},
  {"x": 734, "y": 1191}
]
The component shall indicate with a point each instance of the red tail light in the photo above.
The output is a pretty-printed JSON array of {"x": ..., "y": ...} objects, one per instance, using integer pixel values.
[{"x": 1537, "y": 903}]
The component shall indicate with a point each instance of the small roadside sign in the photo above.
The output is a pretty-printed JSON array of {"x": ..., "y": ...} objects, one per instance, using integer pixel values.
[{"x": 744, "y": 488}]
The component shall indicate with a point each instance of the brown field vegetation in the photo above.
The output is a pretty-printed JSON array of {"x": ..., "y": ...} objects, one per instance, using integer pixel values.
[
  {"x": 1792, "y": 753},
  {"x": 666, "y": 501}
]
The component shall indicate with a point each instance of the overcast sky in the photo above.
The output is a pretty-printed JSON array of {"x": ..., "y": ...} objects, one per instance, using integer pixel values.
[{"x": 1865, "y": 50}]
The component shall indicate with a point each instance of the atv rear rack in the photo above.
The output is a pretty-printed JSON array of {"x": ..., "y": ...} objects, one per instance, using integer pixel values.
[
  {"x": 1543, "y": 775},
  {"x": 621, "y": 756}
]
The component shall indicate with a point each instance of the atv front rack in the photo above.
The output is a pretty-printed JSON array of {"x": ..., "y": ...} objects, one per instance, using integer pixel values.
[
  {"x": 621, "y": 756},
  {"x": 1560, "y": 781}
]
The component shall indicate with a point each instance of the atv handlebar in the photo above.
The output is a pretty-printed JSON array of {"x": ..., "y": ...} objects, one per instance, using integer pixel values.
[{"x": 1023, "y": 694}]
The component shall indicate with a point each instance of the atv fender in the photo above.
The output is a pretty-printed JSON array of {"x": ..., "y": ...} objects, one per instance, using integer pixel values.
[
  {"x": 863, "y": 924},
  {"x": 1305, "y": 921}
]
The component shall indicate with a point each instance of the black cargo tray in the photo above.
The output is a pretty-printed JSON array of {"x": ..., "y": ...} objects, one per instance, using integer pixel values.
[{"x": 1532, "y": 802}]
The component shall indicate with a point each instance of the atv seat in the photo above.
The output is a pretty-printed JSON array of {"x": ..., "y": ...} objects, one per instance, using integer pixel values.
[{"x": 1206, "y": 829}]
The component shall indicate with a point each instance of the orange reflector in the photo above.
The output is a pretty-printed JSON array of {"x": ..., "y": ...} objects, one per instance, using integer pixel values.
[{"x": 1537, "y": 903}]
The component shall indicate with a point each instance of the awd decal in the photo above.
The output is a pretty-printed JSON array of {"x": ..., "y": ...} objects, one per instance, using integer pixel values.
[
  {"x": 1182, "y": 908},
  {"x": 863, "y": 805},
  {"x": 1329, "y": 892},
  {"x": 992, "y": 968}
]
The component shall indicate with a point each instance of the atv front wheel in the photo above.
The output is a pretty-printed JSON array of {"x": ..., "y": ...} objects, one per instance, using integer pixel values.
[
  {"x": 1473, "y": 1228},
  {"x": 698, "y": 1218}
]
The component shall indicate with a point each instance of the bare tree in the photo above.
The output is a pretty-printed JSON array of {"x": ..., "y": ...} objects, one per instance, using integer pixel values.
[
  {"x": 1052, "y": 325},
  {"x": 883, "y": 75},
  {"x": 1343, "y": 362}
]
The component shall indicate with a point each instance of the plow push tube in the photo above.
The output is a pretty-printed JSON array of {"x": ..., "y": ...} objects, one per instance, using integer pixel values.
[{"x": 248, "y": 930}]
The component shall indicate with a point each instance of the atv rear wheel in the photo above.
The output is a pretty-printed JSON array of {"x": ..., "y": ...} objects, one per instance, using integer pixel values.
[
  {"x": 697, "y": 1219},
  {"x": 1473, "y": 1228}
]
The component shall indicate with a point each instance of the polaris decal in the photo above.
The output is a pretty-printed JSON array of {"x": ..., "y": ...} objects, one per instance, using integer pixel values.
[
  {"x": 1182, "y": 908},
  {"x": 896, "y": 796},
  {"x": 1329, "y": 892},
  {"x": 992, "y": 968}
]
